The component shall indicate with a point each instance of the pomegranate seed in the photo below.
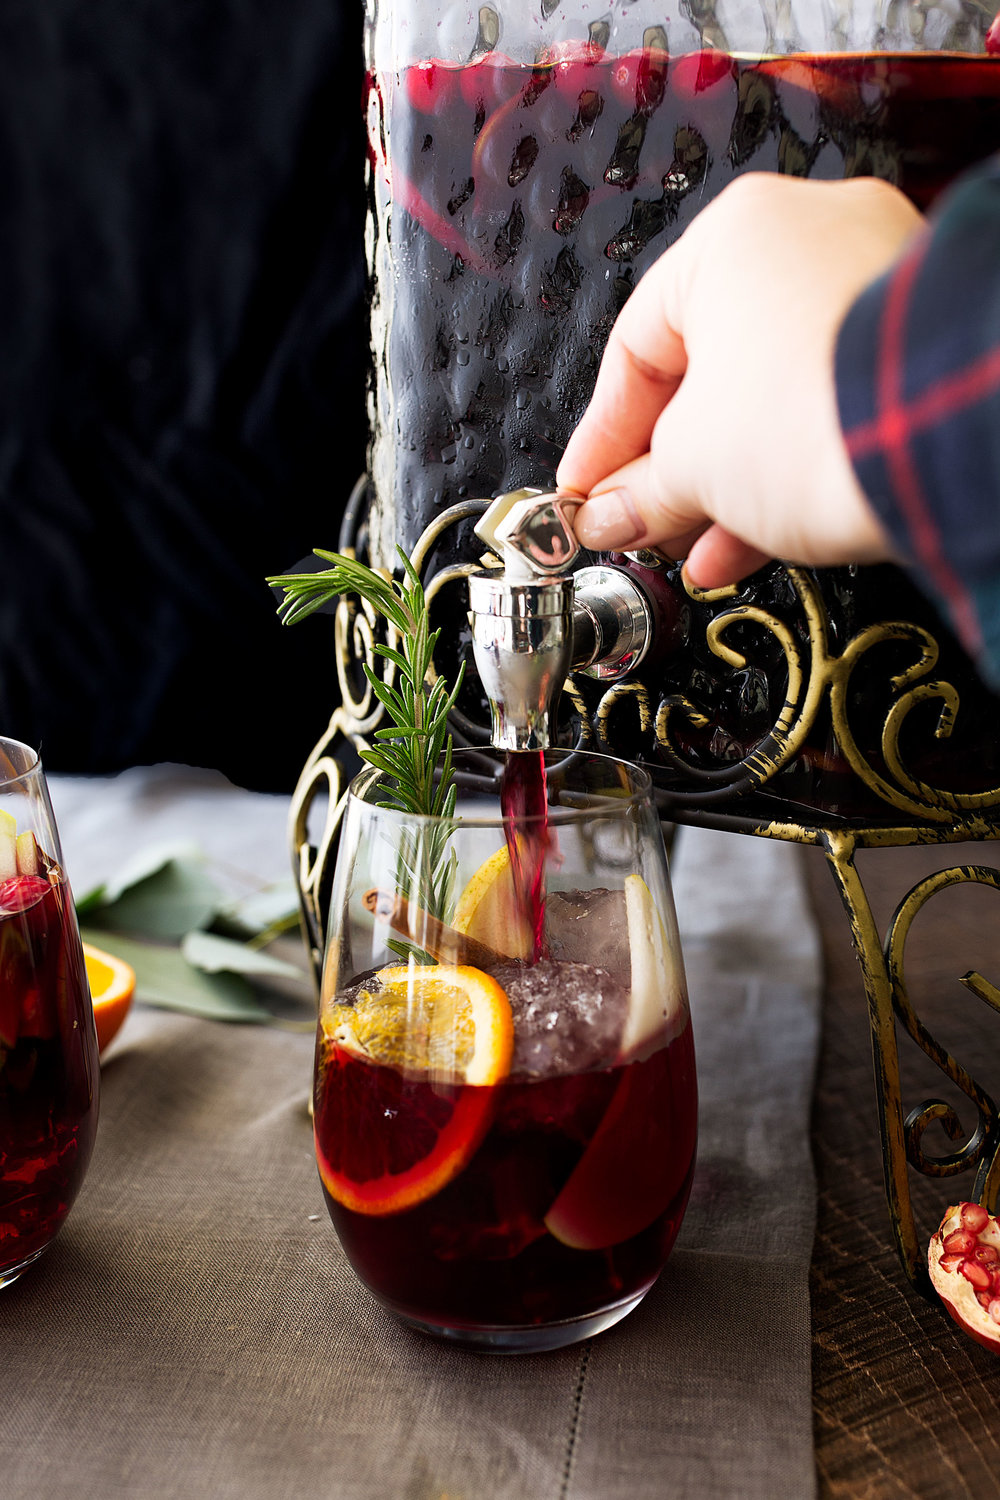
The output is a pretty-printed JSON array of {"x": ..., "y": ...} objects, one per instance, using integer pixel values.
[
  {"x": 986, "y": 1298},
  {"x": 993, "y": 38},
  {"x": 987, "y": 1255},
  {"x": 994, "y": 1309},
  {"x": 977, "y": 1275},
  {"x": 952, "y": 1263},
  {"x": 960, "y": 1242},
  {"x": 996, "y": 1280},
  {"x": 974, "y": 1217}
]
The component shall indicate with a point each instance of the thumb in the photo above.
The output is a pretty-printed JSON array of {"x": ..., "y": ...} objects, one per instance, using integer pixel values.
[{"x": 631, "y": 509}]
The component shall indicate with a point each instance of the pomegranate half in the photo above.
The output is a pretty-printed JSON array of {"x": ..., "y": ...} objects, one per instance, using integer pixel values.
[{"x": 964, "y": 1264}]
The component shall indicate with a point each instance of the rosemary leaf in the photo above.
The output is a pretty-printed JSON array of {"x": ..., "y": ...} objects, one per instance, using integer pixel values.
[{"x": 414, "y": 753}]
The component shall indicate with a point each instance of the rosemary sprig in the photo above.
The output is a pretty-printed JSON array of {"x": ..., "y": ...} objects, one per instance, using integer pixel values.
[{"x": 414, "y": 752}]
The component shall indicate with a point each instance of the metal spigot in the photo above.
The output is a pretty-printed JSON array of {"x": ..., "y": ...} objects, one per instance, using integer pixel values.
[{"x": 533, "y": 622}]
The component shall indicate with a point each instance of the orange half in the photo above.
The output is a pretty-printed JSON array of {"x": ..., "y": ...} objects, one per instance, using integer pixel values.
[{"x": 112, "y": 986}]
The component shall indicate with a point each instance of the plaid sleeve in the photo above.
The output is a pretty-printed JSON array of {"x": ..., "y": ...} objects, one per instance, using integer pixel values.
[{"x": 918, "y": 382}]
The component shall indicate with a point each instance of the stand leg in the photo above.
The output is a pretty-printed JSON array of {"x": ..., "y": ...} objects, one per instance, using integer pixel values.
[
  {"x": 883, "y": 969},
  {"x": 840, "y": 851}
]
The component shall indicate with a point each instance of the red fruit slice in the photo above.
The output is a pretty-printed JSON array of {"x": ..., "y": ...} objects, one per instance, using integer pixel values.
[
  {"x": 570, "y": 62},
  {"x": 965, "y": 1281},
  {"x": 430, "y": 86},
  {"x": 21, "y": 891},
  {"x": 636, "y": 1163},
  {"x": 696, "y": 72}
]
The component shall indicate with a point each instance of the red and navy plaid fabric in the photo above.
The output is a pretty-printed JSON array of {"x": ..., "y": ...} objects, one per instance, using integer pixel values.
[{"x": 918, "y": 381}]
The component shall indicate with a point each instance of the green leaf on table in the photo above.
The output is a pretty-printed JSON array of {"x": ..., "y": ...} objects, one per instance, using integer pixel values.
[
  {"x": 166, "y": 979},
  {"x": 90, "y": 902},
  {"x": 271, "y": 909},
  {"x": 163, "y": 893},
  {"x": 215, "y": 955}
]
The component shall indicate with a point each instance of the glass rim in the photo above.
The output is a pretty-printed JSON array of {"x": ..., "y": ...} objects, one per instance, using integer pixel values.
[
  {"x": 592, "y": 804},
  {"x": 8, "y": 780}
]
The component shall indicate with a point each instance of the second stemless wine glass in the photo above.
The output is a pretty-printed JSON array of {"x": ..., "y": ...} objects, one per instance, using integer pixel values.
[
  {"x": 505, "y": 1098},
  {"x": 49, "y": 1071}
]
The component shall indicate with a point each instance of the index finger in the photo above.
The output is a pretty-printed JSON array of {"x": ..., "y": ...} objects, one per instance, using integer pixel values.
[{"x": 641, "y": 369}]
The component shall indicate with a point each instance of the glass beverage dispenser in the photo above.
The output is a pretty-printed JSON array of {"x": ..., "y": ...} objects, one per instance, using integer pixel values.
[
  {"x": 528, "y": 161},
  {"x": 528, "y": 164}
]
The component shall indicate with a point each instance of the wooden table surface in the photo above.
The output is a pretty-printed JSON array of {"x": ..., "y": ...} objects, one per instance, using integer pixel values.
[{"x": 905, "y": 1403}]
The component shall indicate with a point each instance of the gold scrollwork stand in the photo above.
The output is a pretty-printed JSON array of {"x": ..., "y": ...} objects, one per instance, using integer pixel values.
[{"x": 745, "y": 795}]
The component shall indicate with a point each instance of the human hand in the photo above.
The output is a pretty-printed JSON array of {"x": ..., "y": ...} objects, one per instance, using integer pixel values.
[{"x": 713, "y": 430}]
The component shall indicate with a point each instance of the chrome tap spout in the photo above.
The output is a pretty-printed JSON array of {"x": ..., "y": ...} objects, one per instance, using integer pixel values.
[{"x": 533, "y": 621}]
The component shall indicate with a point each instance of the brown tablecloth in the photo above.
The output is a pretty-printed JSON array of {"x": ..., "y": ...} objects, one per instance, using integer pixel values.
[{"x": 196, "y": 1329}]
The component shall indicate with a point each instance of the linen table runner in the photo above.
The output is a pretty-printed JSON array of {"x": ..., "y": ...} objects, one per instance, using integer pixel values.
[{"x": 196, "y": 1330}]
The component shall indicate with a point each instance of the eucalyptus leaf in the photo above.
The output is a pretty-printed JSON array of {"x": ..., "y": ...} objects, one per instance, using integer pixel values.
[
  {"x": 149, "y": 861},
  {"x": 90, "y": 901},
  {"x": 165, "y": 979},
  {"x": 273, "y": 907},
  {"x": 214, "y": 954},
  {"x": 173, "y": 896}
]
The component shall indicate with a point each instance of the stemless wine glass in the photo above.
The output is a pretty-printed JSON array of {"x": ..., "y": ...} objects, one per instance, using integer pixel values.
[
  {"x": 504, "y": 1092},
  {"x": 49, "y": 1071}
]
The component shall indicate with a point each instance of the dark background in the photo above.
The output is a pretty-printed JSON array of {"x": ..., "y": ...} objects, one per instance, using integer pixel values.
[{"x": 182, "y": 345}]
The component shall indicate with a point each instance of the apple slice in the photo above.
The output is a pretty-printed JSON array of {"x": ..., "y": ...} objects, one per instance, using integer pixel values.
[
  {"x": 28, "y": 862},
  {"x": 636, "y": 1164},
  {"x": 8, "y": 844},
  {"x": 657, "y": 997}
]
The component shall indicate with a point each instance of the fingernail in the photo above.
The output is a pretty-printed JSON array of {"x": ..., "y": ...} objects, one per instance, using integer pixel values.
[{"x": 609, "y": 521}]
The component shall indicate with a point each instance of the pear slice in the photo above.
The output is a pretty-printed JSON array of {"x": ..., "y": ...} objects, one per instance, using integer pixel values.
[
  {"x": 8, "y": 844},
  {"x": 26, "y": 848},
  {"x": 658, "y": 993}
]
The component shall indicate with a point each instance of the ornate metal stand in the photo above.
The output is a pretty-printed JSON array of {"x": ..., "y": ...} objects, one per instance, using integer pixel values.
[{"x": 830, "y": 768}]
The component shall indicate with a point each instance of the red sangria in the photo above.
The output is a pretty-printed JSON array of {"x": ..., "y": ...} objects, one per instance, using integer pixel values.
[
  {"x": 505, "y": 1102},
  {"x": 49, "y": 1074}
]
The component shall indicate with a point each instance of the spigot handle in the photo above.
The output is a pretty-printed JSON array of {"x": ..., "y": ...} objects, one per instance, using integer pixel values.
[{"x": 532, "y": 532}]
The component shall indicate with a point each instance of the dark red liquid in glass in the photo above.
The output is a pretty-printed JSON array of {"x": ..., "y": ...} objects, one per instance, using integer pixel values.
[
  {"x": 478, "y": 1254},
  {"x": 49, "y": 1074}
]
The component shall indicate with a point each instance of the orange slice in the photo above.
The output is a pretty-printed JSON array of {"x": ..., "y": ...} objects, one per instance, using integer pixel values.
[
  {"x": 488, "y": 911},
  {"x": 404, "y": 1089},
  {"x": 112, "y": 986}
]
